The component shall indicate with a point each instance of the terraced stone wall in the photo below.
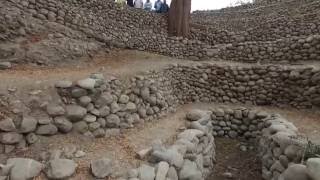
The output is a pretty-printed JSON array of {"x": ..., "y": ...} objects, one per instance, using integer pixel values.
[
  {"x": 285, "y": 38},
  {"x": 256, "y": 84}
]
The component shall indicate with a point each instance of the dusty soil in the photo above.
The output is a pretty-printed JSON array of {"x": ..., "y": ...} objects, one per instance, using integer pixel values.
[{"x": 230, "y": 159}]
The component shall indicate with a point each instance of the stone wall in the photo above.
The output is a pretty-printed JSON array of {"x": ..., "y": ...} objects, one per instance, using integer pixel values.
[
  {"x": 276, "y": 39},
  {"x": 254, "y": 84},
  {"x": 284, "y": 153}
]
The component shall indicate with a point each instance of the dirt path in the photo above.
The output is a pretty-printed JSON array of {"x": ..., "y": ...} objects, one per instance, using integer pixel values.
[{"x": 232, "y": 161}]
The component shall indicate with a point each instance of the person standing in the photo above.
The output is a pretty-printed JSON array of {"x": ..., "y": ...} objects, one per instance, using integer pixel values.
[
  {"x": 164, "y": 7},
  {"x": 148, "y": 5},
  {"x": 138, "y": 4},
  {"x": 157, "y": 6},
  {"x": 179, "y": 18},
  {"x": 130, "y": 3}
]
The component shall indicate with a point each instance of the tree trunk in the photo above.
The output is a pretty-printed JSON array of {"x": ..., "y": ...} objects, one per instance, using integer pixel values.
[{"x": 179, "y": 17}]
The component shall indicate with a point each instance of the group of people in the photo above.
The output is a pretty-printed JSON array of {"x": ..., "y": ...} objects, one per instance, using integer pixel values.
[{"x": 159, "y": 6}]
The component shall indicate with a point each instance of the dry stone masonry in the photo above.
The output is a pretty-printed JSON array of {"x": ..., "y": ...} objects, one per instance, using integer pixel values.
[{"x": 258, "y": 33}]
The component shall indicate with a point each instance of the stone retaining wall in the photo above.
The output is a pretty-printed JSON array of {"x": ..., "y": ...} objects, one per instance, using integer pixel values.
[
  {"x": 281, "y": 39},
  {"x": 256, "y": 84}
]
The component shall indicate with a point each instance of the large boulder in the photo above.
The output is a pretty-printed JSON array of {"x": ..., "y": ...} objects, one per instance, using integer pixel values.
[
  {"x": 101, "y": 168},
  {"x": 60, "y": 168},
  {"x": 24, "y": 168}
]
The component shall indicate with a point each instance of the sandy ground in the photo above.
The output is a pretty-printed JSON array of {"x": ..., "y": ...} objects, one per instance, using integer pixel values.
[{"x": 122, "y": 149}]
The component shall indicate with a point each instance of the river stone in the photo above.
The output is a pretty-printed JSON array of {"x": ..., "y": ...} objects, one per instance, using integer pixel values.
[
  {"x": 172, "y": 156},
  {"x": 146, "y": 172},
  {"x": 5, "y": 65},
  {"x": 48, "y": 129},
  {"x": 190, "y": 134},
  {"x": 162, "y": 170},
  {"x": 78, "y": 92},
  {"x": 10, "y": 138},
  {"x": 60, "y": 168},
  {"x": 32, "y": 138},
  {"x": 295, "y": 172},
  {"x": 172, "y": 173},
  {"x": 313, "y": 165},
  {"x": 55, "y": 110},
  {"x": 104, "y": 99},
  {"x": 124, "y": 99},
  {"x": 112, "y": 121},
  {"x": 195, "y": 115},
  {"x": 75, "y": 112},
  {"x": 24, "y": 168},
  {"x": 89, "y": 118},
  {"x": 87, "y": 83},
  {"x": 84, "y": 100},
  {"x": 81, "y": 127},
  {"x": 63, "y": 124},
  {"x": 190, "y": 171},
  {"x": 7, "y": 125},
  {"x": 63, "y": 84},
  {"x": 101, "y": 168},
  {"x": 28, "y": 124}
]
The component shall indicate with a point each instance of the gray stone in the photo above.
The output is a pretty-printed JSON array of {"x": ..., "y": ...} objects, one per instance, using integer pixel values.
[
  {"x": 112, "y": 132},
  {"x": 55, "y": 110},
  {"x": 172, "y": 173},
  {"x": 24, "y": 168},
  {"x": 75, "y": 112},
  {"x": 78, "y": 92},
  {"x": 81, "y": 127},
  {"x": 104, "y": 99},
  {"x": 5, "y": 65},
  {"x": 63, "y": 124},
  {"x": 104, "y": 111},
  {"x": 162, "y": 170},
  {"x": 313, "y": 166},
  {"x": 190, "y": 134},
  {"x": 10, "y": 138},
  {"x": 93, "y": 126},
  {"x": 79, "y": 154},
  {"x": 84, "y": 100},
  {"x": 295, "y": 172},
  {"x": 146, "y": 172},
  {"x": 87, "y": 83},
  {"x": 89, "y": 118},
  {"x": 101, "y": 168},
  {"x": 195, "y": 115},
  {"x": 131, "y": 107},
  {"x": 63, "y": 84},
  {"x": 115, "y": 107},
  {"x": 60, "y": 168},
  {"x": 112, "y": 121},
  {"x": 99, "y": 133},
  {"x": 48, "y": 129},
  {"x": 7, "y": 125},
  {"x": 172, "y": 156},
  {"x": 32, "y": 138},
  {"x": 190, "y": 171},
  {"x": 28, "y": 124},
  {"x": 124, "y": 99}
]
